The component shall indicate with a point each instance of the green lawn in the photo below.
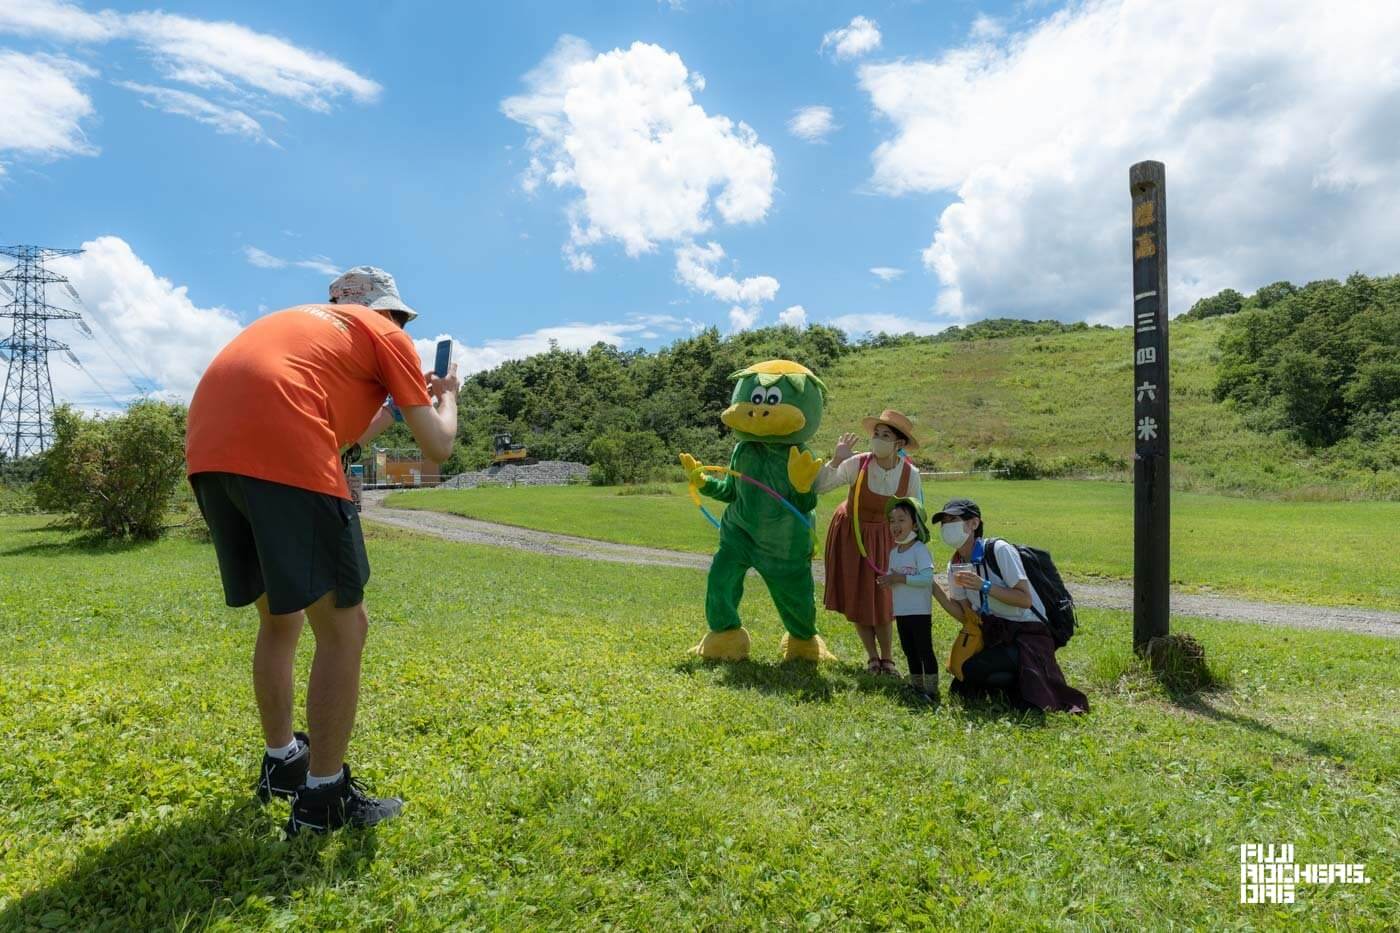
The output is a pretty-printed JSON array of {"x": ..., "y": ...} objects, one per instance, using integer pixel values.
[
  {"x": 567, "y": 766},
  {"x": 1327, "y": 553}
]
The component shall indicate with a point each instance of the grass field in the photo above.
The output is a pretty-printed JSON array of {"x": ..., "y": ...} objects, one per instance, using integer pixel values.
[
  {"x": 566, "y": 765},
  {"x": 1070, "y": 396},
  {"x": 1318, "y": 552}
]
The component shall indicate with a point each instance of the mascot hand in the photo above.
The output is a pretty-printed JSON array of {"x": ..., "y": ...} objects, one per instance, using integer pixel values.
[
  {"x": 693, "y": 473},
  {"x": 802, "y": 469}
]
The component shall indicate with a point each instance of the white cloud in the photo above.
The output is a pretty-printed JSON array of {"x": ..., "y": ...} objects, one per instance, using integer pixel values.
[
  {"x": 472, "y": 358},
  {"x": 742, "y": 318},
  {"x": 224, "y": 56},
  {"x": 225, "y": 120},
  {"x": 886, "y": 273},
  {"x": 987, "y": 27},
  {"x": 56, "y": 20},
  {"x": 858, "y": 324},
  {"x": 795, "y": 316},
  {"x": 1280, "y": 133},
  {"x": 695, "y": 267},
  {"x": 41, "y": 106},
  {"x": 265, "y": 260},
  {"x": 144, "y": 327},
  {"x": 589, "y": 116},
  {"x": 812, "y": 124},
  {"x": 854, "y": 40}
]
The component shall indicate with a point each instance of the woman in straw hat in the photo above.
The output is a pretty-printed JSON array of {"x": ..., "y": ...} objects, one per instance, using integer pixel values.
[{"x": 873, "y": 479}]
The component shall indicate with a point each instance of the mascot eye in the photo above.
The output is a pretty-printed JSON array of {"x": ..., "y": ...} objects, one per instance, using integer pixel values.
[
  {"x": 774, "y": 396},
  {"x": 757, "y": 397}
]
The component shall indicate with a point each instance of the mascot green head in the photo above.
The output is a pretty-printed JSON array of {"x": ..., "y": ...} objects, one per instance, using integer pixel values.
[{"x": 777, "y": 402}]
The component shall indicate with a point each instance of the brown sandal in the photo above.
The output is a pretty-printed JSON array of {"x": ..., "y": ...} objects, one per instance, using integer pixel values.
[
  {"x": 873, "y": 666},
  {"x": 887, "y": 667}
]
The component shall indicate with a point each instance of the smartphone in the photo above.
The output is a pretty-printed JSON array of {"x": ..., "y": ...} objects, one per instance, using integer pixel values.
[{"x": 444, "y": 357}]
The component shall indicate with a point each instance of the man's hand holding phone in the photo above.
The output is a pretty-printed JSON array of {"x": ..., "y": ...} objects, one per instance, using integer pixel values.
[{"x": 438, "y": 386}]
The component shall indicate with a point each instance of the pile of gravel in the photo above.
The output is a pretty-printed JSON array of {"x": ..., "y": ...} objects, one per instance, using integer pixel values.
[{"x": 544, "y": 473}]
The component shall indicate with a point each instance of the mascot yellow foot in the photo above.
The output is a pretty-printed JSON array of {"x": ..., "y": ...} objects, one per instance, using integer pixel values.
[
  {"x": 805, "y": 649},
  {"x": 731, "y": 645}
]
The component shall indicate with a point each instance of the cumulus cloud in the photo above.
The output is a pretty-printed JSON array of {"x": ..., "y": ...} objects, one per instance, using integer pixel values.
[
  {"x": 41, "y": 106},
  {"x": 649, "y": 165},
  {"x": 813, "y": 124},
  {"x": 857, "y": 38},
  {"x": 226, "y": 120},
  {"x": 145, "y": 328},
  {"x": 742, "y": 318},
  {"x": 220, "y": 56},
  {"x": 695, "y": 267},
  {"x": 886, "y": 273},
  {"x": 1280, "y": 133},
  {"x": 795, "y": 316},
  {"x": 265, "y": 260}
]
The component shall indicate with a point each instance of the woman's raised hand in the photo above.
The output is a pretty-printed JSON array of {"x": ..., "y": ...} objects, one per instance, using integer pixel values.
[{"x": 845, "y": 447}]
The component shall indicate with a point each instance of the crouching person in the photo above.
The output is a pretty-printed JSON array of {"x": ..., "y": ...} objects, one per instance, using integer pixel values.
[
  {"x": 266, "y": 425},
  {"x": 1018, "y": 653}
]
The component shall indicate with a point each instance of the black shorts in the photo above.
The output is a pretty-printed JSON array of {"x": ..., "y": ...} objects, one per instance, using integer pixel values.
[{"x": 293, "y": 544}]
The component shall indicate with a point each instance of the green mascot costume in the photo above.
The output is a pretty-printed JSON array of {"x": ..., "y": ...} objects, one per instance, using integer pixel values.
[{"x": 775, "y": 410}]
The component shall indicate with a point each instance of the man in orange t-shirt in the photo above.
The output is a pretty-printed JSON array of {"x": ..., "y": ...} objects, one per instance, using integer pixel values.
[{"x": 266, "y": 427}]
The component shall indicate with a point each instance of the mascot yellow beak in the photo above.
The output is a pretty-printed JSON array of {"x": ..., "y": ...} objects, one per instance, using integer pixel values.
[{"x": 764, "y": 420}]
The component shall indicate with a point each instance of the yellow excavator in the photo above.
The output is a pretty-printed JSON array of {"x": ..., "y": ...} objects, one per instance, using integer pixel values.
[{"x": 505, "y": 450}]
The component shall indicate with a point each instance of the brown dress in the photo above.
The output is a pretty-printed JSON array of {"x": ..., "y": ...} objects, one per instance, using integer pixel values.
[{"x": 850, "y": 583}]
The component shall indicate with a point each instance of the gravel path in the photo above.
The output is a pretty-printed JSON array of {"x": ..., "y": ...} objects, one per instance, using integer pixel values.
[{"x": 1096, "y": 595}]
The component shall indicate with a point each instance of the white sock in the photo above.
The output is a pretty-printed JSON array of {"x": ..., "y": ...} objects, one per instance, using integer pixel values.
[
  {"x": 285, "y": 752},
  {"x": 313, "y": 782}
]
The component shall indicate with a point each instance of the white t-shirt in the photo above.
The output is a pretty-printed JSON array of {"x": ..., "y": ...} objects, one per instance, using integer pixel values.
[
  {"x": 1012, "y": 572},
  {"x": 915, "y": 600},
  {"x": 878, "y": 480}
]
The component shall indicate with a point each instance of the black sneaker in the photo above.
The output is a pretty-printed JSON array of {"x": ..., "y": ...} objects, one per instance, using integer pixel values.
[
  {"x": 281, "y": 777},
  {"x": 343, "y": 803}
]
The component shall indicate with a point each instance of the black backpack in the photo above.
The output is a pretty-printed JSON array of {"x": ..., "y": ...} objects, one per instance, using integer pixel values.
[{"x": 1045, "y": 580}]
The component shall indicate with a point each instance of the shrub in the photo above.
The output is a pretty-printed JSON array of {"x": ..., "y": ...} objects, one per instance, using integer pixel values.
[
  {"x": 117, "y": 475},
  {"x": 625, "y": 457}
]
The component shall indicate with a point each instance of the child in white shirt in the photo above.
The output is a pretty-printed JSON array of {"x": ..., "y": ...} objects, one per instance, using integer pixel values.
[{"x": 910, "y": 582}]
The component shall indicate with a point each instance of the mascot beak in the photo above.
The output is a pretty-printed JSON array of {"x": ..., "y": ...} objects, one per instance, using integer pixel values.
[{"x": 764, "y": 420}]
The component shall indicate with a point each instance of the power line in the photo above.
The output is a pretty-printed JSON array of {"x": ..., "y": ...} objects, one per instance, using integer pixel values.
[{"x": 26, "y": 405}]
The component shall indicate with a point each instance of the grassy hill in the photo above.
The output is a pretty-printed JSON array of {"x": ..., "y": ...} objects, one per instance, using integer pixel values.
[{"x": 1061, "y": 404}]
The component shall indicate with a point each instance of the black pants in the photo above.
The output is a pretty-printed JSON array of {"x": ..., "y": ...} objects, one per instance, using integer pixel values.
[
  {"x": 916, "y": 641},
  {"x": 994, "y": 667}
]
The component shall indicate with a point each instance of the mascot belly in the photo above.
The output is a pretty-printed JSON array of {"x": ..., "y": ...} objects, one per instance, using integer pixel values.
[{"x": 775, "y": 410}]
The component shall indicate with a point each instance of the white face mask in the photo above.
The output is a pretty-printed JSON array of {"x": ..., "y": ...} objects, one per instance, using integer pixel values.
[
  {"x": 882, "y": 447},
  {"x": 954, "y": 534},
  {"x": 908, "y": 538}
]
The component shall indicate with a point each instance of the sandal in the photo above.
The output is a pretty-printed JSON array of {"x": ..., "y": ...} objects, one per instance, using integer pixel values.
[
  {"x": 873, "y": 666},
  {"x": 887, "y": 667}
]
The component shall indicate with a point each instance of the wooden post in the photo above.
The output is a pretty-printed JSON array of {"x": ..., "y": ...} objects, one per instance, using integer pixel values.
[{"x": 1147, "y": 182}]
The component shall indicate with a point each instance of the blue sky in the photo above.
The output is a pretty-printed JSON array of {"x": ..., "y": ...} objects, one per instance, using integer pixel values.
[{"x": 978, "y": 152}]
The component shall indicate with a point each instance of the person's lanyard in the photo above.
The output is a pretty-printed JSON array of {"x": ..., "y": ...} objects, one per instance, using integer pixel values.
[{"x": 979, "y": 559}]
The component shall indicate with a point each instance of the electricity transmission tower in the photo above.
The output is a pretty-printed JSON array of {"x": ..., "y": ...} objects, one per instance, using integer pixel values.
[{"x": 26, "y": 407}]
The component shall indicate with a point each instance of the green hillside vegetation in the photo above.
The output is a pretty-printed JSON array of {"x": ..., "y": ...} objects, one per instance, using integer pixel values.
[{"x": 1290, "y": 392}]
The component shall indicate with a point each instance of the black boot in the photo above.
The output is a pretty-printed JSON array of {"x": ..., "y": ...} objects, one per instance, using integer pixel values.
[
  {"x": 281, "y": 777},
  {"x": 344, "y": 803}
]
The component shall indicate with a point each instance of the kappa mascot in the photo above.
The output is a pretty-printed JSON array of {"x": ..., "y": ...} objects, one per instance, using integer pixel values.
[{"x": 767, "y": 522}]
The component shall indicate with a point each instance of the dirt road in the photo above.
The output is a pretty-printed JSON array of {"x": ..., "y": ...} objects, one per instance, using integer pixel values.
[{"x": 1096, "y": 595}]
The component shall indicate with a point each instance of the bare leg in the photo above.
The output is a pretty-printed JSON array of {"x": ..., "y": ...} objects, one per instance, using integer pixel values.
[
  {"x": 882, "y": 635},
  {"x": 334, "y": 690},
  {"x": 273, "y": 657},
  {"x": 867, "y": 638}
]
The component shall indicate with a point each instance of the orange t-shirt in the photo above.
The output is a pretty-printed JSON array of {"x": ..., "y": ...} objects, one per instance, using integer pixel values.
[{"x": 282, "y": 398}]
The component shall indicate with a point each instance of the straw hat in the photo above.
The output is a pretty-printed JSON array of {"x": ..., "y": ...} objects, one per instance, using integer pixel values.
[{"x": 894, "y": 419}]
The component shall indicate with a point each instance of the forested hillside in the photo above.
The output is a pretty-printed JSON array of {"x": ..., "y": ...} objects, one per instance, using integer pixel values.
[{"x": 1291, "y": 391}]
